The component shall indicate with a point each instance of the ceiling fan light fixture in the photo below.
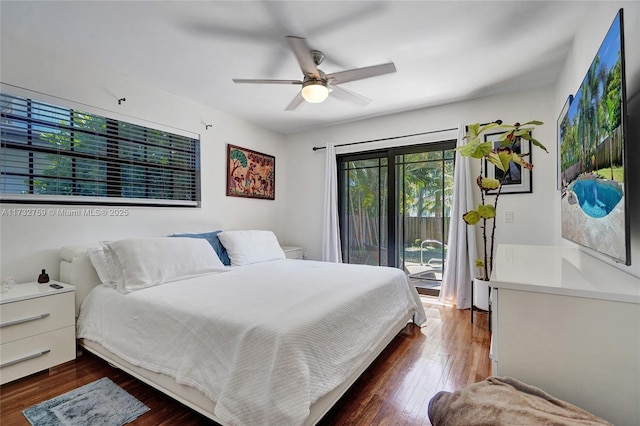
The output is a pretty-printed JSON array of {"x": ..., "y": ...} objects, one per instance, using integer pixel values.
[{"x": 315, "y": 91}]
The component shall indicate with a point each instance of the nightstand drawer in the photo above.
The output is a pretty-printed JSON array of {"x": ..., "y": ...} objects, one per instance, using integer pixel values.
[
  {"x": 36, "y": 316},
  {"x": 36, "y": 353}
]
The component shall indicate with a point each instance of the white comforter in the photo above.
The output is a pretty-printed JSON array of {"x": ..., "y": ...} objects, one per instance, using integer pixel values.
[{"x": 264, "y": 341}]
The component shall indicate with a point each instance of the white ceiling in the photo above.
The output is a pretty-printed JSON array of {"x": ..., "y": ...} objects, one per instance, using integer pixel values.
[{"x": 444, "y": 51}]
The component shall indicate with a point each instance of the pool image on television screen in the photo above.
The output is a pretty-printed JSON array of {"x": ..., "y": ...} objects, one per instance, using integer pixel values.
[{"x": 592, "y": 154}]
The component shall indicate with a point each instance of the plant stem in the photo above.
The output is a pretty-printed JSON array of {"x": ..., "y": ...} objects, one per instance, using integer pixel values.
[
  {"x": 489, "y": 265},
  {"x": 493, "y": 230},
  {"x": 485, "y": 267}
]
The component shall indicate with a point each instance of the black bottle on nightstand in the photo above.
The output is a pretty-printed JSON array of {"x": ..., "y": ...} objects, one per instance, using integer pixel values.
[{"x": 43, "y": 277}]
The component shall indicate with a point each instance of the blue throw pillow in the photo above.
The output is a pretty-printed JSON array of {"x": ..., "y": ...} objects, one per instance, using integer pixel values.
[{"x": 212, "y": 237}]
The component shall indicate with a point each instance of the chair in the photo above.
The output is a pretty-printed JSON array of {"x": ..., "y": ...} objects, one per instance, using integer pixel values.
[{"x": 435, "y": 262}]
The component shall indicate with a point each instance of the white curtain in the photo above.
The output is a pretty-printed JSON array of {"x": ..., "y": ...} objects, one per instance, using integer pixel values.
[
  {"x": 462, "y": 251},
  {"x": 331, "y": 250}
]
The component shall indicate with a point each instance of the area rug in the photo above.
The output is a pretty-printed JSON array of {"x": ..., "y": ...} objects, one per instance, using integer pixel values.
[{"x": 99, "y": 403}]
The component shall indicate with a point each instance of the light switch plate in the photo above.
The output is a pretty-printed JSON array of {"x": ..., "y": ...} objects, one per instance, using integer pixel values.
[{"x": 508, "y": 216}]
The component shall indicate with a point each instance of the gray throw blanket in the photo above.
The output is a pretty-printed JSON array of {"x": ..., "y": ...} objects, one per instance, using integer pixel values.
[{"x": 505, "y": 401}]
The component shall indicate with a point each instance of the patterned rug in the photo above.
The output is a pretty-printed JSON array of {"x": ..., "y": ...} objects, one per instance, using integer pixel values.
[{"x": 99, "y": 403}]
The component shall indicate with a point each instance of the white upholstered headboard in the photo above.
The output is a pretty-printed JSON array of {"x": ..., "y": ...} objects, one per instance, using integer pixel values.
[{"x": 76, "y": 269}]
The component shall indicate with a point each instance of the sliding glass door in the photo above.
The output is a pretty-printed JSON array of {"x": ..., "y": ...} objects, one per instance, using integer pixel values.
[
  {"x": 424, "y": 194},
  {"x": 364, "y": 205},
  {"x": 394, "y": 209}
]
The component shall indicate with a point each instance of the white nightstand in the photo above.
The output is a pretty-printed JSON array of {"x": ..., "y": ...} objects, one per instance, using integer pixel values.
[
  {"x": 37, "y": 329},
  {"x": 292, "y": 252}
]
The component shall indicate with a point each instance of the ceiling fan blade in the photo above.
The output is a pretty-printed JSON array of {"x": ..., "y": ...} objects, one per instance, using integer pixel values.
[
  {"x": 349, "y": 96},
  {"x": 361, "y": 73},
  {"x": 295, "y": 103},
  {"x": 303, "y": 54},
  {"x": 252, "y": 80}
]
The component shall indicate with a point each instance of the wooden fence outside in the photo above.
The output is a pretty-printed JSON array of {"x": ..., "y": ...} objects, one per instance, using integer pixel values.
[
  {"x": 416, "y": 230},
  {"x": 609, "y": 153}
]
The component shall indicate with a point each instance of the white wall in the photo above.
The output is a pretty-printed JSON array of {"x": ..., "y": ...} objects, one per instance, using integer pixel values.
[
  {"x": 536, "y": 219},
  {"x": 594, "y": 26},
  {"x": 29, "y": 244}
]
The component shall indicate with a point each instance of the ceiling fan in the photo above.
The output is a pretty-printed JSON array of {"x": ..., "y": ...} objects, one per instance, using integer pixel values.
[{"x": 316, "y": 85}]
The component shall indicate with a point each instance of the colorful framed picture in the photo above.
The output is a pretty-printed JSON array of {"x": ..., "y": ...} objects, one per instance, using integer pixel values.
[
  {"x": 250, "y": 174},
  {"x": 596, "y": 155},
  {"x": 517, "y": 180}
]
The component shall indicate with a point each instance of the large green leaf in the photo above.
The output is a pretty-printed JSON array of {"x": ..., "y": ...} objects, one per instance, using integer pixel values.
[
  {"x": 501, "y": 158},
  {"x": 471, "y": 217},
  {"x": 538, "y": 144},
  {"x": 521, "y": 161},
  {"x": 487, "y": 211},
  {"x": 476, "y": 149},
  {"x": 473, "y": 130},
  {"x": 504, "y": 142},
  {"x": 489, "y": 184}
]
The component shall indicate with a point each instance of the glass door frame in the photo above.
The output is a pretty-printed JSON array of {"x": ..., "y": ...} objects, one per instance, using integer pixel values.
[
  {"x": 392, "y": 259},
  {"x": 392, "y": 208}
]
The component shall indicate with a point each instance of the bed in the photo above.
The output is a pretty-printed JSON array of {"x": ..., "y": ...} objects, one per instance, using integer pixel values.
[{"x": 267, "y": 342}]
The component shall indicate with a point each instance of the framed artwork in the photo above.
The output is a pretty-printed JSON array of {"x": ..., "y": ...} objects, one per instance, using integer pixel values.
[
  {"x": 562, "y": 126},
  {"x": 250, "y": 174},
  {"x": 516, "y": 180},
  {"x": 597, "y": 154}
]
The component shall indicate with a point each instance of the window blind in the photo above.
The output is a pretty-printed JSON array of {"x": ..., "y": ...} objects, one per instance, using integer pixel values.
[{"x": 54, "y": 154}]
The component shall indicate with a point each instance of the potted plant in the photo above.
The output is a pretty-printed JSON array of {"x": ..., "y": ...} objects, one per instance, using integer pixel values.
[{"x": 510, "y": 138}]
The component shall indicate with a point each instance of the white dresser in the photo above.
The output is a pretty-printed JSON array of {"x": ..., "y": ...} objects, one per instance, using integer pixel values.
[
  {"x": 293, "y": 252},
  {"x": 570, "y": 324},
  {"x": 37, "y": 329}
]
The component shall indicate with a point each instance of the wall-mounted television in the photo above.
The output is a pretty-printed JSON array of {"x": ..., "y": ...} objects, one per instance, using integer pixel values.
[{"x": 593, "y": 154}]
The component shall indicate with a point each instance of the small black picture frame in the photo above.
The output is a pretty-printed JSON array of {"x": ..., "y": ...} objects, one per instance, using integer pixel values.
[{"x": 519, "y": 181}]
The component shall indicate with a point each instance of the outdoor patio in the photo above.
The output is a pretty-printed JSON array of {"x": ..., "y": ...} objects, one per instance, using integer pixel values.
[{"x": 426, "y": 278}]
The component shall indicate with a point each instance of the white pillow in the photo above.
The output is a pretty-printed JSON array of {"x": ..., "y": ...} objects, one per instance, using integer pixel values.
[
  {"x": 253, "y": 246},
  {"x": 145, "y": 262},
  {"x": 102, "y": 265}
]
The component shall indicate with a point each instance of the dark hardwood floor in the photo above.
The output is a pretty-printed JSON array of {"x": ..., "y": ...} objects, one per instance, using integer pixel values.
[{"x": 447, "y": 354}]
